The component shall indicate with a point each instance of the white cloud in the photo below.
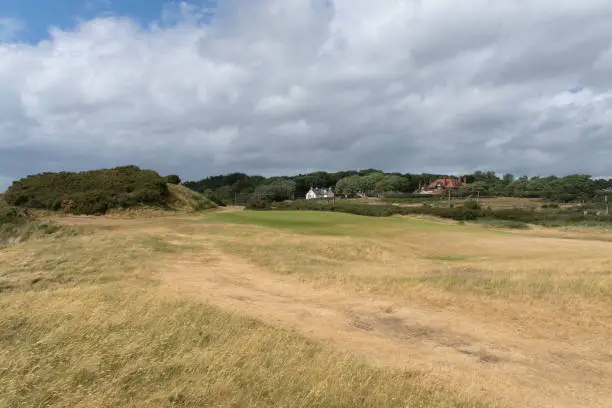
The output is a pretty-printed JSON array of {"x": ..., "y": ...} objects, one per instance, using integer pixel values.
[{"x": 283, "y": 85}]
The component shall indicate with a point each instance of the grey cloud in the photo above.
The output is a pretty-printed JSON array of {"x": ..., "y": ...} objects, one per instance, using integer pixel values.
[{"x": 296, "y": 85}]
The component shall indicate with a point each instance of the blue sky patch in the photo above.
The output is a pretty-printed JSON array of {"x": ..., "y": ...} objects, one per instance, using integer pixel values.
[{"x": 36, "y": 17}]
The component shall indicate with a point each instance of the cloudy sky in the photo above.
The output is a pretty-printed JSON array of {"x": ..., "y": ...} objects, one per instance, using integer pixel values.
[{"x": 285, "y": 86}]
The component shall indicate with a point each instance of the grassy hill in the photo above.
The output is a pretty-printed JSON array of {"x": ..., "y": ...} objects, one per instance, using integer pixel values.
[
  {"x": 184, "y": 199},
  {"x": 100, "y": 191}
]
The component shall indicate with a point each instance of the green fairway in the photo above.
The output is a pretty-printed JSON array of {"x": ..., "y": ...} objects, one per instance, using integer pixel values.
[{"x": 330, "y": 223}]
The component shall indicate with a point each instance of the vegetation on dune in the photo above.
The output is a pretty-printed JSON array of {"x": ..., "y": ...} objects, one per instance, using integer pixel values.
[
  {"x": 100, "y": 191},
  {"x": 89, "y": 192},
  {"x": 184, "y": 199},
  {"x": 18, "y": 224},
  {"x": 11, "y": 217},
  {"x": 173, "y": 179}
]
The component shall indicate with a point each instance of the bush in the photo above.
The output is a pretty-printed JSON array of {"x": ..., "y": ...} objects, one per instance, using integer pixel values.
[
  {"x": 471, "y": 205},
  {"x": 13, "y": 216},
  {"x": 89, "y": 192},
  {"x": 173, "y": 179},
  {"x": 255, "y": 203},
  {"x": 18, "y": 224}
]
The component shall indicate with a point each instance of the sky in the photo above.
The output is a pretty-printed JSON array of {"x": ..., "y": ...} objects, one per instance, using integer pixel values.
[{"x": 269, "y": 87}]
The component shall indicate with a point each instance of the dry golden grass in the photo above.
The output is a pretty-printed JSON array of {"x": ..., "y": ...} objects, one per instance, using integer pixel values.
[
  {"x": 86, "y": 322},
  {"x": 125, "y": 313},
  {"x": 536, "y": 303}
]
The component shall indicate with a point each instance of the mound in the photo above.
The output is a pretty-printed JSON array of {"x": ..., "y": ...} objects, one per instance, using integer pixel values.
[
  {"x": 185, "y": 199},
  {"x": 90, "y": 192}
]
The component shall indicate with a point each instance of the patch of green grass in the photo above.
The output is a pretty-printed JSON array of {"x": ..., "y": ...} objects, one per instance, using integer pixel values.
[
  {"x": 329, "y": 223},
  {"x": 294, "y": 220},
  {"x": 496, "y": 223}
]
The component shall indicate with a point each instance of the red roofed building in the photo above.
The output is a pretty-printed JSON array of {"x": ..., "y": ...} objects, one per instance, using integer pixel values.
[{"x": 440, "y": 186}]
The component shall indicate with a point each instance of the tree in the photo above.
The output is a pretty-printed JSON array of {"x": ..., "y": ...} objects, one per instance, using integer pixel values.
[
  {"x": 279, "y": 190},
  {"x": 348, "y": 186},
  {"x": 367, "y": 184},
  {"x": 393, "y": 183},
  {"x": 474, "y": 188}
]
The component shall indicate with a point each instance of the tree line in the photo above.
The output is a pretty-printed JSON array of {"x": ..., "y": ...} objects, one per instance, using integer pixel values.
[{"x": 225, "y": 188}]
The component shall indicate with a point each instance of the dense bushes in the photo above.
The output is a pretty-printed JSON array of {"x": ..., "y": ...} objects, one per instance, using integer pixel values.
[{"x": 89, "y": 192}]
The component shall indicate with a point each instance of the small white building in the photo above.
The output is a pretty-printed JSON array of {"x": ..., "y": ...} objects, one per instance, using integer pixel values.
[{"x": 319, "y": 193}]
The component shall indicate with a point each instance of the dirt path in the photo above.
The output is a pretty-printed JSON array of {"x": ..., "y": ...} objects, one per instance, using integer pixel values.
[{"x": 480, "y": 359}]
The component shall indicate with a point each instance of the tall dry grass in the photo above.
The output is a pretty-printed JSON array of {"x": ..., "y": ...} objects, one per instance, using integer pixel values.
[
  {"x": 523, "y": 277},
  {"x": 84, "y": 323}
]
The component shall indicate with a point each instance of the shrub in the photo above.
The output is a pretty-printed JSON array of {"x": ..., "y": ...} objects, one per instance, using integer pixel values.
[
  {"x": 471, "y": 205},
  {"x": 89, "y": 192},
  {"x": 173, "y": 179},
  {"x": 255, "y": 203},
  {"x": 19, "y": 224},
  {"x": 13, "y": 215}
]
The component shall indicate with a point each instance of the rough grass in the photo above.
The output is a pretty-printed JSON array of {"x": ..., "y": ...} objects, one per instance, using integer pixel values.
[
  {"x": 118, "y": 346},
  {"x": 435, "y": 262},
  {"x": 18, "y": 225},
  {"x": 84, "y": 323}
]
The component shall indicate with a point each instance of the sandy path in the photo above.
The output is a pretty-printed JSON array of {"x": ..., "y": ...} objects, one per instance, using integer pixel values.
[{"x": 480, "y": 359}]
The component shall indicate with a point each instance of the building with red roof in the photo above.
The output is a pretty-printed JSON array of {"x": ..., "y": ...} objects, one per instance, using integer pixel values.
[{"x": 441, "y": 185}]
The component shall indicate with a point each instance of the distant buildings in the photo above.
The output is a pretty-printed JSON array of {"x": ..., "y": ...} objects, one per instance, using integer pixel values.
[
  {"x": 441, "y": 185},
  {"x": 319, "y": 193}
]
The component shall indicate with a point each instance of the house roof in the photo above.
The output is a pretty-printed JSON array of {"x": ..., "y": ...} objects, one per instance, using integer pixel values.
[
  {"x": 321, "y": 190},
  {"x": 446, "y": 182}
]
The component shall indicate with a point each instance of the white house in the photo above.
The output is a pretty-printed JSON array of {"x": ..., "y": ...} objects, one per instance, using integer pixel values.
[{"x": 319, "y": 193}]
